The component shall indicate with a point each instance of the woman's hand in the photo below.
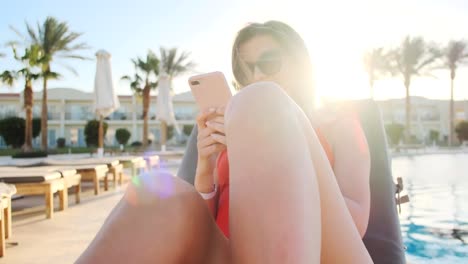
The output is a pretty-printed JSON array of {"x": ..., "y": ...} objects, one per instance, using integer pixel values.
[{"x": 211, "y": 141}]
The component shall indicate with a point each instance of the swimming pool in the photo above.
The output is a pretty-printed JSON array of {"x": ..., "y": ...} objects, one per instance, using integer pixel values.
[{"x": 435, "y": 222}]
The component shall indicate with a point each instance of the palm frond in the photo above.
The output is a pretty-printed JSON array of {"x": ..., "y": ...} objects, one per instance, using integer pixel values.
[
  {"x": 135, "y": 83},
  {"x": 31, "y": 33},
  {"x": 137, "y": 91},
  {"x": 125, "y": 77},
  {"x": 51, "y": 75},
  {"x": 56, "y": 40},
  {"x": 74, "y": 56},
  {"x": 425, "y": 63},
  {"x": 18, "y": 33},
  {"x": 149, "y": 66},
  {"x": 68, "y": 67},
  {"x": 153, "y": 85},
  {"x": 8, "y": 77},
  {"x": 12, "y": 43},
  {"x": 175, "y": 64}
]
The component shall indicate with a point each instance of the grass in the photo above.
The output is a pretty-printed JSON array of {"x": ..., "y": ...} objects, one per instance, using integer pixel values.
[
  {"x": 66, "y": 150},
  {"x": 76, "y": 150}
]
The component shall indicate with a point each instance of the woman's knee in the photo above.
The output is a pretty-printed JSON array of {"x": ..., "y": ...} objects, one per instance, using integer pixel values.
[
  {"x": 258, "y": 105},
  {"x": 258, "y": 94}
]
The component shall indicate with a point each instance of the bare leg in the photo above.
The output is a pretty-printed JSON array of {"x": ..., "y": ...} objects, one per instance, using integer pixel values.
[
  {"x": 286, "y": 206},
  {"x": 161, "y": 219}
]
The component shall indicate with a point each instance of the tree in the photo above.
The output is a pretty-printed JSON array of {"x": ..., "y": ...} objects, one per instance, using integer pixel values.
[
  {"x": 122, "y": 135},
  {"x": 142, "y": 86},
  {"x": 462, "y": 131},
  {"x": 394, "y": 132},
  {"x": 55, "y": 41},
  {"x": 412, "y": 58},
  {"x": 173, "y": 64},
  {"x": 454, "y": 55},
  {"x": 12, "y": 129},
  {"x": 376, "y": 64},
  {"x": 434, "y": 135},
  {"x": 188, "y": 129},
  {"x": 30, "y": 72},
  {"x": 91, "y": 132}
]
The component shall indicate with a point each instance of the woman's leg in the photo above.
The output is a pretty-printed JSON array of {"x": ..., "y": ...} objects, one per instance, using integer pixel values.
[
  {"x": 274, "y": 206},
  {"x": 161, "y": 219},
  {"x": 341, "y": 241},
  {"x": 286, "y": 206}
]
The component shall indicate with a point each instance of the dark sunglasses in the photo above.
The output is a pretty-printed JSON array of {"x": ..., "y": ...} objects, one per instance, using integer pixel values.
[{"x": 269, "y": 63}]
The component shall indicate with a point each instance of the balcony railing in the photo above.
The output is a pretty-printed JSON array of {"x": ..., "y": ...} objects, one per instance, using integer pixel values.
[
  {"x": 79, "y": 116},
  {"x": 53, "y": 116}
]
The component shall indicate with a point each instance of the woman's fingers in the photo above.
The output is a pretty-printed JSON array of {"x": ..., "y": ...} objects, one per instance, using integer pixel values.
[
  {"x": 202, "y": 117},
  {"x": 218, "y": 127},
  {"x": 209, "y": 150},
  {"x": 220, "y": 110},
  {"x": 205, "y": 142},
  {"x": 218, "y": 119},
  {"x": 219, "y": 138}
]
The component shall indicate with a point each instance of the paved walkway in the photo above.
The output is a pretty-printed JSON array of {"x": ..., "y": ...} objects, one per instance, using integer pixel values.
[{"x": 63, "y": 238}]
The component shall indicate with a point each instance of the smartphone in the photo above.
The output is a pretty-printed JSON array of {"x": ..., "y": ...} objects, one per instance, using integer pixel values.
[{"x": 210, "y": 90}]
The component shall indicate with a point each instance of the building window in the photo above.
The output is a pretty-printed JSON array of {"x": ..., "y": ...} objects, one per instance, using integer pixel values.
[{"x": 51, "y": 137}]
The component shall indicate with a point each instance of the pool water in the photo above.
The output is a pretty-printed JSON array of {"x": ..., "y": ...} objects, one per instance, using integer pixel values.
[{"x": 435, "y": 222}]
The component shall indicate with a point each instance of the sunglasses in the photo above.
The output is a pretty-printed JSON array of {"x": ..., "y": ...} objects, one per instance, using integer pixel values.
[{"x": 269, "y": 63}]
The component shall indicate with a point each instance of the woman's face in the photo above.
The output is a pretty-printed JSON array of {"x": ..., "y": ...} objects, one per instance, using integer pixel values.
[{"x": 262, "y": 59}]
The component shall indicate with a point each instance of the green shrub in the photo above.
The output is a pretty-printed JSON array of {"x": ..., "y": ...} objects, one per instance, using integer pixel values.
[
  {"x": 122, "y": 135},
  {"x": 61, "y": 142},
  {"x": 91, "y": 132},
  {"x": 433, "y": 136},
  {"x": 188, "y": 129},
  {"x": 462, "y": 130},
  {"x": 136, "y": 144},
  {"x": 394, "y": 133},
  {"x": 170, "y": 132},
  {"x": 12, "y": 130},
  {"x": 33, "y": 154},
  {"x": 36, "y": 127}
]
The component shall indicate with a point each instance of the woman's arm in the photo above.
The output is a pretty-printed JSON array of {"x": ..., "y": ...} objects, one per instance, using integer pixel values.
[
  {"x": 352, "y": 167},
  {"x": 207, "y": 187},
  {"x": 210, "y": 142}
]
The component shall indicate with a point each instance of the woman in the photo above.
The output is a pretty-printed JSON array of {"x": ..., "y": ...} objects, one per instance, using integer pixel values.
[{"x": 284, "y": 201}]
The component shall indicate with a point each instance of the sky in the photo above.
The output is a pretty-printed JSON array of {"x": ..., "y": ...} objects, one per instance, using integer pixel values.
[{"x": 337, "y": 33}]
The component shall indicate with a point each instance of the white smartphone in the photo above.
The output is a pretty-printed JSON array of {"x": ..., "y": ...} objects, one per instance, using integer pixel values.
[{"x": 210, "y": 90}]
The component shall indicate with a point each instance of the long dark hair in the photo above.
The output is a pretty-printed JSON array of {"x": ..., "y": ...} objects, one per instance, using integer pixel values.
[{"x": 291, "y": 43}]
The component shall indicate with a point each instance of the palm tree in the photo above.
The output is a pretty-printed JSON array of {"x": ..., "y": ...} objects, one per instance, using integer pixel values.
[
  {"x": 142, "y": 86},
  {"x": 56, "y": 41},
  {"x": 173, "y": 64},
  {"x": 412, "y": 58},
  {"x": 455, "y": 54},
  {"x": 376, "y": 64},
  {"x": 31, "y": 60}
]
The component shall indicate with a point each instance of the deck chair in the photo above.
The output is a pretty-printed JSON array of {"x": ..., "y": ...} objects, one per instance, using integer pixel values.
[
  {"x": 383, "y": 237},
  {"x": 89, "y": 170},
  {"x": 114, "y": 166},
  {"x": 6, "y": 191},
  {"x": 38, "y": 182}
]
